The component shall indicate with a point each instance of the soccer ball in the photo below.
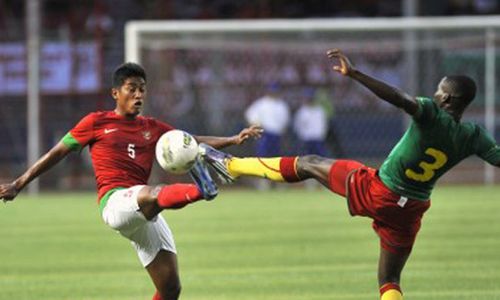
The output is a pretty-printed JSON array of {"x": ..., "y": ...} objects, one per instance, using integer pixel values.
[{"x": 176, "y": 151}]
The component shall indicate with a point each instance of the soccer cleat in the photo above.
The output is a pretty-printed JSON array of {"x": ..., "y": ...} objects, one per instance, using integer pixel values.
[
  {"x": 217, "y": 160},
  {"x": 200, "y": 175}
]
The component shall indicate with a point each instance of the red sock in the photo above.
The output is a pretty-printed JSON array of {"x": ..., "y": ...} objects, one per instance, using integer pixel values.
[
  {"x": 390, "y": 286},
  {"x": 288, "y": 168},
  {"x": 178, "y": 195},
  {"x": 157, "y": 296}
]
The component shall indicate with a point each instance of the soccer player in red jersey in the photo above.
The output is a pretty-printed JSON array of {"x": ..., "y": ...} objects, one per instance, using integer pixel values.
[
  {"x": 122, "y": 147},
  {"x": 396, "y": 195}
]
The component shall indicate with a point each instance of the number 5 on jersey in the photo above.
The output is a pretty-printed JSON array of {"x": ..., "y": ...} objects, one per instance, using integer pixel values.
[
  {"x": 428, "y": 168},
  {"x": 131, "y": 150}
]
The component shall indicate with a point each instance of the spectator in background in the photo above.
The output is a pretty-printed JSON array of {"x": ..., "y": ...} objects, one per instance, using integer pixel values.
[
  {"x": 272, "y": 113},
  {"x": 311, "y": 124}
]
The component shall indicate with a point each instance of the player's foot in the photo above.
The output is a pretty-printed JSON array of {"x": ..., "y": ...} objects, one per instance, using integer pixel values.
[
  {"x": 200, "y": 175},
  {"x": 218, "y": 161}
]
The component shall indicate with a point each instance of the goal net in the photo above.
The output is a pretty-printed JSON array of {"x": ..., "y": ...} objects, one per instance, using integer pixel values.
[{"x": 202, "y": 75}]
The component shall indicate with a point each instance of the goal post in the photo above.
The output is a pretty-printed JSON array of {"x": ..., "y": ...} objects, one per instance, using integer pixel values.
[
  {"x": 207, "y": 72},
  {"x": 134, "y": 29}
]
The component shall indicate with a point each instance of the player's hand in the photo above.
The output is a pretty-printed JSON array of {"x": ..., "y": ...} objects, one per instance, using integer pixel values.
[
  {"x": 254, "y": 131},
  {"x": 8, "y": 191},
  {"x": 345, "y": 67}
]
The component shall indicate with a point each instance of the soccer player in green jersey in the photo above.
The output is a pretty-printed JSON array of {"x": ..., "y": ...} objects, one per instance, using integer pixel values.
[{"x": 397, "y": 195}]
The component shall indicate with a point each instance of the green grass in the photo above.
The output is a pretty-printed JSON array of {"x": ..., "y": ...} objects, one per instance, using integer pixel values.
[{"x": 284, "y": 244}]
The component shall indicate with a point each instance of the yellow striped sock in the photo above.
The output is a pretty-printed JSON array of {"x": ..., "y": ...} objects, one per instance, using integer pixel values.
[{"x": 256, "y": 166}]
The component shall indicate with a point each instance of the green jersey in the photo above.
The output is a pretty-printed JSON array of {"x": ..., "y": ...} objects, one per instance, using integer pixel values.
[{"x": 431, "y": 146}]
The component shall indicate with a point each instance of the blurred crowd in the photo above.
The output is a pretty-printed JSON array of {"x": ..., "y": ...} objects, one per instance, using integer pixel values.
[
  {"x": 104, "y": 20},
  {"x": 82, "y": 15}
]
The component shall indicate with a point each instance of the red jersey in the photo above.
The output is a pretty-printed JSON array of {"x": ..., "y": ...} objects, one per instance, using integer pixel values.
[{"x": 122, "y": 150}]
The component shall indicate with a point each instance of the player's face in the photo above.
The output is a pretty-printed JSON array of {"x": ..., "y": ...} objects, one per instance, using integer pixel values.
[{"x": 130, "y": 96}]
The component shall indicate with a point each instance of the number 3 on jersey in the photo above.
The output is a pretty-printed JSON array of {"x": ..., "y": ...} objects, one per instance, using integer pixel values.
[
  {"x": 428, "y": 168},
  {"x": 131, "y": 150}
]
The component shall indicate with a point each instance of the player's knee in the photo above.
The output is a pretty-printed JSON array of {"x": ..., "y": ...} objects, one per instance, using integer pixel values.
[
  {"x": 149, "y": 194},
  {"x": 147, "y": 199},
  {"x": 312, "y": 166},
  {"x": 309, "y": 162}
]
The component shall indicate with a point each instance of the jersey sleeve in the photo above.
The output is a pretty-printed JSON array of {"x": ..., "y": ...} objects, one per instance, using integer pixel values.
[
  {"x": 80, "y": 135},
  {"x": 486, "y": 147},
  {"x": 427, "y": 111}
]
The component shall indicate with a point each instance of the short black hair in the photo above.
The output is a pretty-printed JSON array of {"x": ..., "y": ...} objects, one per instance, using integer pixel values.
[
  {"x": 462, "y": 87},
  {"x": 125, "y": 71}
]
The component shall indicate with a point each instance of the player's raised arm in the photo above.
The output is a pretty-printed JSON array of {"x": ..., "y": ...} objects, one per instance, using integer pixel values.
[
  {"x": 384, "y": 91},
  {"x": 9, "y": 191},
  {"x": 253, "y": 131}
]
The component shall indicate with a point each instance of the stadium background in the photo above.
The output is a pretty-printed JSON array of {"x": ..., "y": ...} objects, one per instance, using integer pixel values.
[
  {"x": 84, "y": 40},
  {"x": 287, "y": 243}
]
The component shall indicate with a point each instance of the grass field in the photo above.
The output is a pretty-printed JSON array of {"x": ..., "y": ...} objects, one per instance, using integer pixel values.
[{"x": 278, "y": 245}]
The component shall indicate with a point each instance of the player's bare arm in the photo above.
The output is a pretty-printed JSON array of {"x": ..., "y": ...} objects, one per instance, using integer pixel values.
[
  {"x": 253, "y": 131},
  {"x": 9, "y": 191},
  {"x": 384, "y": 91}
]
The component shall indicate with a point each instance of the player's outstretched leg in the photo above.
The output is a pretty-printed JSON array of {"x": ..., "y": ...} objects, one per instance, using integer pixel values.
[
  {"x": 280, "y": 169},
  {"x": 229, "y": 168}
]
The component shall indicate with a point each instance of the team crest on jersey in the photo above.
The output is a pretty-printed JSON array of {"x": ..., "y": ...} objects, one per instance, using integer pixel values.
[{"x": 146, "y": 135}]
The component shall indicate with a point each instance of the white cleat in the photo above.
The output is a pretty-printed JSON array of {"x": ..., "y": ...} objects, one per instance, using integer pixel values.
[{"x": 217, "y": 160}]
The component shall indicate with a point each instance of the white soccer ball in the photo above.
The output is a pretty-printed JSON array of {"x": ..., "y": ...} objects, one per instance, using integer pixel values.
[{"x": 176, "y": 151}]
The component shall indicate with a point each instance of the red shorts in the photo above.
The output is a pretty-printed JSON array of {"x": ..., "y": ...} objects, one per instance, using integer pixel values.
[{"x": 396, "y": 219}]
